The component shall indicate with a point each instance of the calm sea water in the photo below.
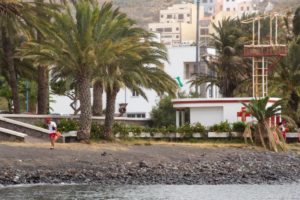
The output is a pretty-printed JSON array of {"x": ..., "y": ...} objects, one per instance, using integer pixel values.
[{"x": 154, "y": 192}]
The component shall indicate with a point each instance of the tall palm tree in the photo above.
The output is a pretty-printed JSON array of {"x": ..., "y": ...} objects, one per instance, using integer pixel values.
[
  {"x": 263, "y": 133},
  {"x": 17, "y": 18},
  {"x": 285, "y": 80},
  {"x": 77, "y": 42},
  {"x": 296, "y": 22},
  {"x": 228, "y": 69},
  {"x": 138, "y": 66},
  {"x": 97, "y": 97}
]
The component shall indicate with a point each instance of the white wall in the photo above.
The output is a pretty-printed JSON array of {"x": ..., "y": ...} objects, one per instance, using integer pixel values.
[
  {"x": 207, "y": 116},
  {"x": 175, "y": 67}
]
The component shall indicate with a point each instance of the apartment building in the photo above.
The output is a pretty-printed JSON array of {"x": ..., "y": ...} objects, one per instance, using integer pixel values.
[
  {"x": 177, "y": 24},
  {"x": 208, "y": 5},
  {"x": 239, "y": 7}
]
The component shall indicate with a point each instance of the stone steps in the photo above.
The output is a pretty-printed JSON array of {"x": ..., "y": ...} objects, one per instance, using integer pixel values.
[
  {"x": 10, "y": 135},
  {"x": 24, "y": 128}
]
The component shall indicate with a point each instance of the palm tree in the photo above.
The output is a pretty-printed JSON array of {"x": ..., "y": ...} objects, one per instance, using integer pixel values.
[
  {"x": 228, "y": 69},
  {"x": 78, "y": 41},
  {"x": 97, "y": 97},
  {"x": 285, "y": 80},
  {"x": 296, "y": 22},
  {"x": 262, "y": 112},
  {"x": 18, "y": 18},
  {"x": 139, "y": 66}
]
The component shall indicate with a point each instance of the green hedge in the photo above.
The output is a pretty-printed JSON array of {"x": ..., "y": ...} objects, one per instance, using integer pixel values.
[{"x": 187, "y": 130}]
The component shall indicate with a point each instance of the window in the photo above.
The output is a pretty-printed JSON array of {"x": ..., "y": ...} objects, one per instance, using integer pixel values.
[
  {"x": 227, "y": 9},
  {"x": 160, "y": 30},
  {"x": 135, "y": 93},
  {"x": 169, "y": 16},
  {"x": 204, "y": 1},
  {"x": 177, "y": 29},
  {"x": 180, "y": 16},
  {"x": 242, "y": 8},
  {"x": 204, "y": 31},
  {"x": 188, "y": 15},
  {"x": 189, "y": 69},
  {"x": 168, "y": 29},
  {"x": 177, "y": 36},
  {"x": 162, "y": 16},
  {"x": 136, "y": 115},
  {"x": 248, "y": 8}
]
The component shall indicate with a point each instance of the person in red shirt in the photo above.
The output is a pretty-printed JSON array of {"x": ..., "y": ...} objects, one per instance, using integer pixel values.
[{"x": 52, "y": 131}]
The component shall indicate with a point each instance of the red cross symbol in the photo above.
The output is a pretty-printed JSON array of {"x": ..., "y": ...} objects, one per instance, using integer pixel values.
[{"x": 243, "y": 114}]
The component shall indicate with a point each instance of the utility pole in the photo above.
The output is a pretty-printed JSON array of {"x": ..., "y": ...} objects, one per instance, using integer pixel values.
[{"x": 197, "y": 43}]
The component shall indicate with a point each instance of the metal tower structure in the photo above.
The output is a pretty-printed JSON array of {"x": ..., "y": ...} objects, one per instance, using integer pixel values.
[{"x": 265, "y": 54}]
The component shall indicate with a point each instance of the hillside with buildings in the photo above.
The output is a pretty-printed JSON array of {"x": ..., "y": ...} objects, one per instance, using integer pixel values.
[
  {"x": 144, "y": 11},
  {"x": 147, "y": 11}
]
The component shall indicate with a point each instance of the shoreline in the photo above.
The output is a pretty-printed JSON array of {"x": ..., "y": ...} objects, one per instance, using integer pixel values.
[{"x": 156, "y": 164}]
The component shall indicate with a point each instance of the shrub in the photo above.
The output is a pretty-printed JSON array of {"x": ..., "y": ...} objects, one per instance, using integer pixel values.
[
  {"x": 136, "y": 130},
  {"x": 238, "y": 127},
  {"x": 41, "y": 124},
  {"x": 171, "y": 129},
  {"x": 222, "y": 127},
  {"x": 66, "y": 125},
  {"x": 97, "y": 131},
  {"x": 198, "y": 128},
  {"x": 163, "y": 114},
  {"x": 121, "y": 129}
]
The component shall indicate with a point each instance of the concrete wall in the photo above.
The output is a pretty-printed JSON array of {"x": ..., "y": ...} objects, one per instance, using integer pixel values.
[
  {"x": 207, "y": 116},
  {"x": 34, "y": 119}
]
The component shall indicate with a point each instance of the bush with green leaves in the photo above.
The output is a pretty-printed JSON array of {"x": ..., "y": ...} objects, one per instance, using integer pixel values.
[
  {"x": 238, "y": 127},
  {"x": 66, "y": 125},
  {"x": 122, "y": 129},
  {"x": 41, "y": 124},
  {"x": 163, "y": 114},
  {"x": 97, "y": 131},
  {"x": 198, "y": 128},
  {"x": 221, "y": 127}
]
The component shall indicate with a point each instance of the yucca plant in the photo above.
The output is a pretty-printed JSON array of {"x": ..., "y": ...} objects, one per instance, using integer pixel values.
[{"x": 265, "y": 134}]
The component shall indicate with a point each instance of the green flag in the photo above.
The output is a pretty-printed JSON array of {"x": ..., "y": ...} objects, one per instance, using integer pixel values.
[{"x": 179, "y": 81}]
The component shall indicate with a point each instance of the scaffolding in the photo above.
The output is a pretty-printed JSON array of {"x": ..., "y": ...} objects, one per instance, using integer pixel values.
[{"x": 263, "y": 54}]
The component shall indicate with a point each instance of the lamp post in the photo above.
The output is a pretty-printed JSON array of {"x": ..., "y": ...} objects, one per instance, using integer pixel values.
[{"x": 197, "y": 42}]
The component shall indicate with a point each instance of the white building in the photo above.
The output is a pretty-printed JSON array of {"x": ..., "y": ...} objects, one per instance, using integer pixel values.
[
  {"x": 240, "y": 7},
  {"x": 177, "y": 24},
  {"x": 209, "y": 6},
  {"x": 213, "y": 111},
  {"x": 181, "y": 64}
]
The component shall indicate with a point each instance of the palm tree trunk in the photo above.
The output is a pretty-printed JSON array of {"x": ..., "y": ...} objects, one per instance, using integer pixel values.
[
  {"x": 43, "y": 90},
  {"x": 85, "y": 119},
  {"x": 294, "y": 101},
  {"x": 97, "y": 98},
  {"x": 8, "y": 56},
  {"x": 110, "y": 111}
]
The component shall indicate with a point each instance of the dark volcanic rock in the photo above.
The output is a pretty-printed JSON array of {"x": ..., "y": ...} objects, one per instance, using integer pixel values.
[{"x": 233, "y": 167}]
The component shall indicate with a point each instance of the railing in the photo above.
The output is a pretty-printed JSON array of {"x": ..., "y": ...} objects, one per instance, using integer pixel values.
[{"x": 265, "y": 50}]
